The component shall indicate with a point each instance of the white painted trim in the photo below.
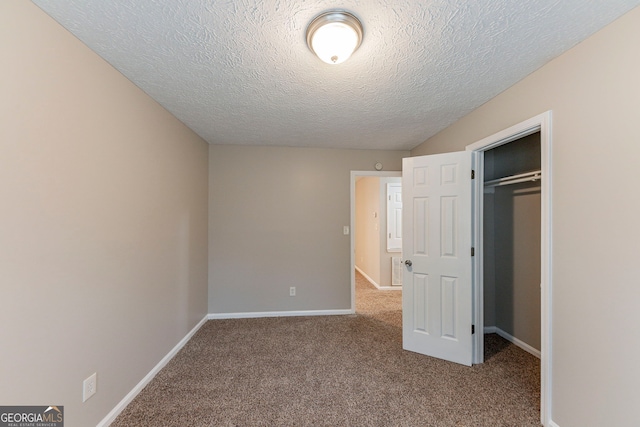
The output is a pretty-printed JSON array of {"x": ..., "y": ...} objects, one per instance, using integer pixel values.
[
  {"x": 366, "y": 276},
  {"x": 111, "y": 416},
  {"x": 477, "y": 232},
  {"x": 490, "y": 330},
  {"x": 510, "y": 134},
  {"x": 523, "y": 345},
  {"x": 542, "y": 123},
  {"x": 390, "y": 288},
  {"x": 380, "y": 288},
  {"x": 546, "y": 247},
  {"x": 552, "y": 424},
  {"x": 352, "y": 204},
  {"x": 259, "y": 314}
]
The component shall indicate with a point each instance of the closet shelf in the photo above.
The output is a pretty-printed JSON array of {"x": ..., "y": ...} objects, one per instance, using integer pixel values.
[{"x": 514, "y": 179}]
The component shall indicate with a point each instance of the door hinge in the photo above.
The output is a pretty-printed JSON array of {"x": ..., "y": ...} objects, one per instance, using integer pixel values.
[
  {"x": 473, "y": 251},
  {"x": 473, "y": 329},
  {"x": 473, "y": 174}
]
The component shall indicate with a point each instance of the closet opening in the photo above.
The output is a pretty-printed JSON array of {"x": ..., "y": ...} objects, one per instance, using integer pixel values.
[
  {"x": 518, "y": 232},
  {"x": 511, "y": 242}
]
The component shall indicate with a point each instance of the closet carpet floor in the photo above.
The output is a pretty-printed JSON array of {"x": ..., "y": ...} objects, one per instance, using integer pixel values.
[{"x": 334, "y": 371}]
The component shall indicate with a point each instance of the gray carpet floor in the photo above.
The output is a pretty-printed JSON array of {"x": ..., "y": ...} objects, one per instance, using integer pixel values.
[{"x": 334, "y": 371}]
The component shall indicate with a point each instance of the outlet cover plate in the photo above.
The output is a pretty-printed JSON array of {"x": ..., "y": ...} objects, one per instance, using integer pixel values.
[{"x": 89, "y": 386}]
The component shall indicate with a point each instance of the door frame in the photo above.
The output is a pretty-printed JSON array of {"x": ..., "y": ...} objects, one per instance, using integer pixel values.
[
  {"x": 354, "y": 177},
  {"x": 541, "y": 123}
]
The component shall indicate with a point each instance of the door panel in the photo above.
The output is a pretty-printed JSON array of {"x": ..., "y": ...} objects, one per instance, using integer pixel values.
[
  {"x": 421, "y": 217},
  {"x": 437, "y": 288},
  {"x": 394, "y": 217}
]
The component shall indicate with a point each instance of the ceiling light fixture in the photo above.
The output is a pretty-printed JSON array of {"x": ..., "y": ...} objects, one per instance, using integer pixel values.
[{"x": 334, "y": 36}]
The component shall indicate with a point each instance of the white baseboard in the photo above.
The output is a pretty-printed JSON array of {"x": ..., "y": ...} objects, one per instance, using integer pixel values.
[
  {"x": 366, "y": 276},
  {"x": 373, "y": 282},
  {"x": 301, "y": 313},
  {"x": 523, "y": 345},
  {"x": 111, "y": 416},
  {"x": 552, "y": 424}
]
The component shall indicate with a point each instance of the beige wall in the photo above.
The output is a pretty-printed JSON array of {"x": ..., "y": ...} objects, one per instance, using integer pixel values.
[
  {"x": 594, "y": 92},
  {"x": 103, "y": 249},
  {"x": 275, "y": 220},
  {"x": 367, "y": 227}
]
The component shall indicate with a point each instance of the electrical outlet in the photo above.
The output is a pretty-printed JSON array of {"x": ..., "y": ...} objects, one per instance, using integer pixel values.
[
  {"x": 292, "y": 291},
  {"x": 89, "y": 386}
]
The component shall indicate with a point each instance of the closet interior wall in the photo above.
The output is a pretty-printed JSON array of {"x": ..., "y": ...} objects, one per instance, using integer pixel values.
[{"x": 512, "y": 242}]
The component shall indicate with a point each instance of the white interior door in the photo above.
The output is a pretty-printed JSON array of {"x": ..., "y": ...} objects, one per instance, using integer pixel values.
[
  {"x": 394, "y": 217},
  {"x": 436, "y": 246}
]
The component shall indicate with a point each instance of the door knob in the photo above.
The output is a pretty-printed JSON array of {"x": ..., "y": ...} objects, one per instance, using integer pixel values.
[{"x": 408, "y": 263}]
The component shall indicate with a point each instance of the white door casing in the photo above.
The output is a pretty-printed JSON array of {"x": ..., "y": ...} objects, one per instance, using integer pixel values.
[
  {"x": 541, "y": 123},
  {"x": 437, "y": 286}
]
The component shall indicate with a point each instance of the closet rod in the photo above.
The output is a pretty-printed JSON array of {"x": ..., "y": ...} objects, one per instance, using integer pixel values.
[{"x": 514, "y": 179}]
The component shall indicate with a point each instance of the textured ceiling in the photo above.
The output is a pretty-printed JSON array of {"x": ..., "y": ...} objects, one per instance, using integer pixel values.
[{"x": 239, "y": 72}]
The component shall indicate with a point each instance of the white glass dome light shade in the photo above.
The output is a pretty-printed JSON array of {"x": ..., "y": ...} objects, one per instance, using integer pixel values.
[
  {"x": 334, "y": 42},
  {"x": 334, "y": 36}
]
